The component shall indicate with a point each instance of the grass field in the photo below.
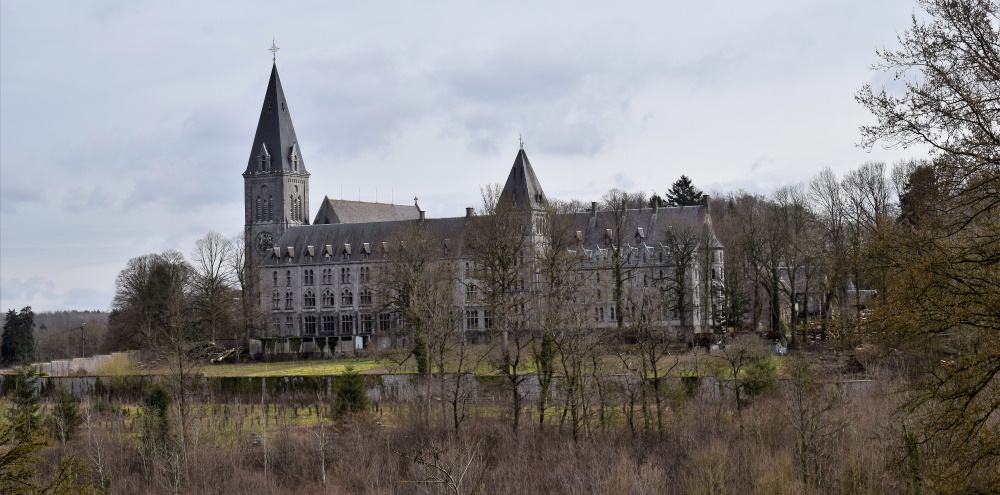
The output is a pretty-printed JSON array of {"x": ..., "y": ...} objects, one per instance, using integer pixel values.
[{"x": 291, "y": 368}]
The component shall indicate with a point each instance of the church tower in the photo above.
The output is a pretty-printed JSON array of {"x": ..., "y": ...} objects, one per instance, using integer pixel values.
[
  {"x": 276, "y": 183},
  {"x": 524, "y": 192}
]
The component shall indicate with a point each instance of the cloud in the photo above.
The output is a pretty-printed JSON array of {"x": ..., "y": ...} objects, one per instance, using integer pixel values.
[{"x": 40, "y": 293}]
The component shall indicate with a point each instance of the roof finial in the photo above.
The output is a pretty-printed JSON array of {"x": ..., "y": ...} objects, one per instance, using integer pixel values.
[
  {"x": 274, "y": 51},
  {"x": 520, "y": 141}
]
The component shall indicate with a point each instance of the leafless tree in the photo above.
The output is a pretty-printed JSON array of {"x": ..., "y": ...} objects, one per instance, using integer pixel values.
[
  {"x": 214, "y": 283},
  {"x": 498, "y": 241}
]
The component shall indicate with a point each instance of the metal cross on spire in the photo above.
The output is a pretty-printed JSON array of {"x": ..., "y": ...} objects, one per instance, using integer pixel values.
[
  {"x": 274, "y": 51},
  {"x": 520, "y": 141}
]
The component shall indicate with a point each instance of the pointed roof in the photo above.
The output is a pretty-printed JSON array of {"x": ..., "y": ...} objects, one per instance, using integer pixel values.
[
  {"x": 522, "y": 187},
  {"x": 275, "y": 139}
]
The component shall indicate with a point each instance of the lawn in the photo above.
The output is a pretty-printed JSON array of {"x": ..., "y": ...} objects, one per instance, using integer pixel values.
[{"x": 291, "y": 368}]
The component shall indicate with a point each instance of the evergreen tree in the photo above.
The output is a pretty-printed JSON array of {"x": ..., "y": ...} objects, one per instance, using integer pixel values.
[
  {"x": 18, "y": 341},
  {"x": 24, "y": 412},
  {"x": 683, "y": 193},
  {"x": 655, "y": 200},
  {"x": 65, "y": 419},
  {"x": 350, "y": 396}
]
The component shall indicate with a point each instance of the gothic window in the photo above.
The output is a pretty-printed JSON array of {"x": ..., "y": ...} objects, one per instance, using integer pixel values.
[
  {"x": 289, "y": 301},
  {"x": 346, "y": 298},
  {"x": 310, "y": 324},
  {"x": 275, "y": 278},
  {"x": 597, "y": 314},
  {"x": 329, "y": 324},
  {"x": 367, "y": 323},
  {"x": 270, "y": 209},
  {"x": 470, "y": 292},
  {"x": 289, "y": 325},
  {"x": 346, "y": 324},
  {"x": 363, "y": 274},
  {"x": 327, "y": 276},
  {"x": 327, "y": 298},
  {"x": 308, "y": 277},
  {"x": 365, "y": 297},
  {"x": 345, "y": 275},
  {"x": 612, "y": 312},
  {"x": 384, "y": 322},
  {"x": 259, "y": 213},
  {"x": 471, "y": 319},
  {"x": 288, "y": 278},
  {"x": 309, "y": 299},
  {"x": 487, "y": 320},
  {"x": 276, "y": 300}
]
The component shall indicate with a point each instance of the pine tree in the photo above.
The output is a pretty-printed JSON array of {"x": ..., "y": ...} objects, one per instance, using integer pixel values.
[
  {"x": 65, "y": 419},
  {"x": 683, "y": 193},
  {"x": 24, "y": 411},
  {"x": 18, "y": 342}
]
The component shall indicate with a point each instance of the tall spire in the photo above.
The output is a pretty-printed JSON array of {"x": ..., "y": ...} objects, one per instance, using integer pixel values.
[
  {"x": 275, "y": 147},
  {"x": 522, "y": 187}
]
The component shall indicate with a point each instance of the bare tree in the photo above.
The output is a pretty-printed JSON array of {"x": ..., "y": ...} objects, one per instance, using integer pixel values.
[
  {"x": 499, "y": 244},
  {"x": 559, "y": 287},
  {"x": 681, "y": 243},
  {"x": 214, "y": 283},
  {"x": 620, "y": 255}
]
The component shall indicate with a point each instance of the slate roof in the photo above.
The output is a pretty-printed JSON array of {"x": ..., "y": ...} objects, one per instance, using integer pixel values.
[
  {"x": 343, "y": 211},
  {"x": 354, "y": 236},
  {"x": 522, "y": 187},
  {"x": 275, "y": 132},
  {"x": 653, "y": 222}
]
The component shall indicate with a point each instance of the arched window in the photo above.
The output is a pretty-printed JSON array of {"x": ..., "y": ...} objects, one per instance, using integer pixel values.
[
  {"x": 346, "y": 297},
  {"x": 288, "y": 278},
  {"x": 276, "y": 300},
  {"x": 310, "y": 324},
  {"x": 309, "y": 299},
  {"x": 327, "y": 298},
  {"x": 365, "y": 297},
  {"x": 289, "y": 301}
]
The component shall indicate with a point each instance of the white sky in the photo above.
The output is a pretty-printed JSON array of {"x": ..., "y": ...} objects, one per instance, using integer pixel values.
[{"x": 125, "y": 125}]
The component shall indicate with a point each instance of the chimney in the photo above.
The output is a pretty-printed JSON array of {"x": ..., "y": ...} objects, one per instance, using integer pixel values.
[
  {"x": 593, "y": 208},
  {"x": 422, "y": 215},
  {"x": 704, "y": 201},
  {"x": 468, "y": 212}
]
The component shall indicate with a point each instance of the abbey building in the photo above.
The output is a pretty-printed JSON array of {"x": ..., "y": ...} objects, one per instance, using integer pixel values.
[{"x": 318, "y": 278}]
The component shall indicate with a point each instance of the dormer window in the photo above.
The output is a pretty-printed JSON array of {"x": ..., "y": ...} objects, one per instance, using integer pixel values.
[
  {"x": 293, "y": 157},
  {"x": 263, "y": 159}
]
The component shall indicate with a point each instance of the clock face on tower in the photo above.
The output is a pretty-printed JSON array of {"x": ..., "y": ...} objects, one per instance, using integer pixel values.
[{"x": 265, "y": 241}]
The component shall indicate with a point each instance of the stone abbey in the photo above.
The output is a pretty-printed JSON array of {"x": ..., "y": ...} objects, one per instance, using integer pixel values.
[{"x": 320, "y": 278}]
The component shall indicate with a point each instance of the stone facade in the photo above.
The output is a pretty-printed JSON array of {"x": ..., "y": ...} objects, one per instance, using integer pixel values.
[{"x": 320, "y": 279}]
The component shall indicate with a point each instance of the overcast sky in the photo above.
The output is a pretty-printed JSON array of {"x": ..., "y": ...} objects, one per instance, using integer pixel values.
[{"x": 125, "y": 125}]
